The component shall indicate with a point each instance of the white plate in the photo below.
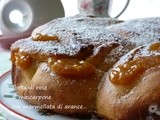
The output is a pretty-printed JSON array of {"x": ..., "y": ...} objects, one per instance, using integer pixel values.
[{"x": 19, "y": 108}]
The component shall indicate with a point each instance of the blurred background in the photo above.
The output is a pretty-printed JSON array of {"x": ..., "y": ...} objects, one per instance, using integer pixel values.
[
  {"x": 136, "y": 8},
  {"x": 16, "y": 26}
]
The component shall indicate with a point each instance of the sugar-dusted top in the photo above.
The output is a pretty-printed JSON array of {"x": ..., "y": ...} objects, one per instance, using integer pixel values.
[
  {"x": 73, "y": 33},
  {"x": 77, "y": 32},
  {"x": 139, "y": 31}
]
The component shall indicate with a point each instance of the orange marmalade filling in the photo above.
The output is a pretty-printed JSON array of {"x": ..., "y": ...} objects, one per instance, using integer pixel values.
[
  {"x": 73, "y": 67},
  {"x": 22, "y": 61},
  {"x": 155, "y": 47},
  {"x": 131, "y": 71},
  {"x": 40, "y": 37},
  {"x": 64, "y": 67}
]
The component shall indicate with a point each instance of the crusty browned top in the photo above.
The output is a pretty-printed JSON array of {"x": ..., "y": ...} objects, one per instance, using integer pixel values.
[
  {"x": 77, "y": 32},
  {"x": 139, "y": 31},
  {"x": 73, "y": 33}
]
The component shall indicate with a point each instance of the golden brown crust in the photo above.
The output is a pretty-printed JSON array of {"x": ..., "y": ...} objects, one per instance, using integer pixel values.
[
  {"x": 72, "y": 35},
  {"x": 63, "y": 90},
  {"x": 88, "y": 41},
  {"x": 61, "y": 56},
  {"x": 131, "y": 101}
]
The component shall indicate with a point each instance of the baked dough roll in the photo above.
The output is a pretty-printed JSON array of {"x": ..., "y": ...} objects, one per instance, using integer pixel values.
[
  {"x": 58, "y": 65},
  {"x": 69, "y": 56},
  {"x": 130, "y": 90}
]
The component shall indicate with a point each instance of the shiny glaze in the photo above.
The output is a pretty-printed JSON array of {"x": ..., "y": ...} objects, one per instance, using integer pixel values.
[
  {"x": 64, "y": 67},
  {"x": 155, "y": 47},
  {"x": 132, "y": 70},
  {"x": 40, "y": 37}
]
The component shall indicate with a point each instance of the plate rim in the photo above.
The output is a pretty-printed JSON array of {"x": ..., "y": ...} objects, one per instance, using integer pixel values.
[{"x": 8, "y": 108}]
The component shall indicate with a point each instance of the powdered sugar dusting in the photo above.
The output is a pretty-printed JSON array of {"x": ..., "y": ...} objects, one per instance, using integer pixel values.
[
  {"x": 139, "y": 31},
  {"x": 133, "y": 33},
  {"x": 78, "y": 32},
  {"x": 73, "y": 34}
]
